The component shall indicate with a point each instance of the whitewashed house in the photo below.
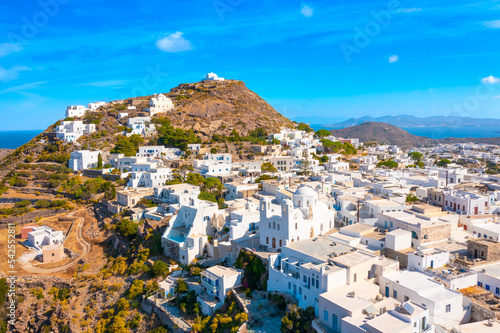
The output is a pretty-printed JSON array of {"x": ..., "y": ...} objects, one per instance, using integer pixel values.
[
  {"x": 94, "y": 106},
  {"x": 44, "y": 236},
  {"x": 75, "y": 111},
  {"x": 83, "y": 159},
  {"x": 216, "y": 282},
  {"x": 140, "y": 125},
  {"x": 446, "y": 307},
  {"x": 151, "y": 151},
  {"x": 188, "y": 231},
  {"x": 70, "y": 131}
]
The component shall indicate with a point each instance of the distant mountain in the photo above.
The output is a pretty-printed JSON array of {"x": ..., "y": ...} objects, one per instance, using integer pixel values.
[
  {"x": 383, "y": 133},
  {"x": 412, "y": 121}
]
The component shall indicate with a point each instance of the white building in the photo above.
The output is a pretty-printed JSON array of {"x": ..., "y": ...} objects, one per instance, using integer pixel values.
[
  {"x": 214, "y": 164},
  {"x": 158, "y": 104},
  {"x": 70, "y": 131},
  {"x": 140, "y": 125},
  {"x": 151, "y": 151},
  {"x": 83, "y": 159},
  {"x": 446, "y": 307},
  {"x": 148, "y": 174},
  {"x": 75, "y": 111},
  {"x": 425, "y": 258},
  {"x": 359, "y": 309},
  {"x": 186, "y": 236},
  {"x": 94, "y": 106},
  {"x": 311, "y": 267},
  {"x": 305, "y": 216},
  {"x": 217, "y": 281},
  {"x": 43, "y": 236},
  {"x": 213, "y": 77},
  {"x": 466, "y": 203}
]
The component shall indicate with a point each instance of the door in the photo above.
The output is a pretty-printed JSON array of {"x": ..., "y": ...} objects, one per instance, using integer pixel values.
[
  {"x": 386, "y": 291},
  {"x": 432, "y": 263},
  {"x": 274, "y": 242},
  {"x": 475, "y": 211}
]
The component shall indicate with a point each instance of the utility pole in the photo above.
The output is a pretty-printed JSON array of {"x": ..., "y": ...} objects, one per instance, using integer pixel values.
[{"x": 357, "y": 214}]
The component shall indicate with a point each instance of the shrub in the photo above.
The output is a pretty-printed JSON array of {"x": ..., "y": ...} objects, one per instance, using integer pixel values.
[
  {"x": 20, "y": 183},
  {"x": 23, "y": 203}
]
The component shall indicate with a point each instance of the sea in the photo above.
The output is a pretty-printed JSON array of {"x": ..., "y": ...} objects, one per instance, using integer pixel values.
[
  {"x": 14, "y": 139},
  {"x": 443, "y": 132}
]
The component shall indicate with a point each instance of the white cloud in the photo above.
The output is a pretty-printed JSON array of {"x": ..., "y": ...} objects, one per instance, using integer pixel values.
[
  {"x": 102, "y": 84},
  {"x": 393, "y": 58},
  {"x": 174, "y": 43},
  {"x": 492, "y": 24},
  {"x": 12, "y": 73},
  {"x": 490, "y": 79},
  {"x": 306, "y": 10},
  {"x": 409, "y": 10},
  {"x": 8, "y": 48}
]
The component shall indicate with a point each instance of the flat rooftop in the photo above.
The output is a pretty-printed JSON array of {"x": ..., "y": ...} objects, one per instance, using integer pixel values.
[
  {"x": 353, "y": 258},
  {"x": 360, "y": 228},
  {"x": 320, "y": 247}
]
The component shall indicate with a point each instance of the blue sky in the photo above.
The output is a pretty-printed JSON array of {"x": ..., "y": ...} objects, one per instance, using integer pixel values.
[{"x": 318, "y": 61}]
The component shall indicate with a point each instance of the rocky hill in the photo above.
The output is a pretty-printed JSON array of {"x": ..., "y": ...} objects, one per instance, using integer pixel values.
[
  {"x": 383, "y": 133},
  {"x": 212, "y": 107},
  {"x": 412, "y": 121}
]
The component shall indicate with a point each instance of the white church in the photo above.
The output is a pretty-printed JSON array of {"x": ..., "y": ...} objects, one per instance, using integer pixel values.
[
  {"x": 302, "y": 217},
  {"x": 158, "y": 104}
]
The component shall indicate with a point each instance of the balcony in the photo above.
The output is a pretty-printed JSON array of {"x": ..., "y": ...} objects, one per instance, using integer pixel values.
[{"x": 207, "y": 284}]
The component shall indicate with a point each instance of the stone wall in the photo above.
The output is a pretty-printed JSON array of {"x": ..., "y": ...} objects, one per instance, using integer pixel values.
[
  {"x": 485, "y": 249},
  {"x": 401, "y": 257},
  {"x": 435, "y": 233},
  {"x": 30, "y": 217}
]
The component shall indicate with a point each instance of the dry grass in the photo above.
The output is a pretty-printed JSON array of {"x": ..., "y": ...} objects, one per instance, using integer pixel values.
[
  {"x": 470, "y": 291},
  {"x": 20, "y": 250}
]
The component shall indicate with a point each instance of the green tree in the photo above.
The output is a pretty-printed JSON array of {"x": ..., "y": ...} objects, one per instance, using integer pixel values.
[
  {"x": 443, "y": 162},
  {"x": 99, "y": 161},
  {"x": 181, "y": 287},
  {"x": 322, "y": 133},
  {"x": 159, "y": 268},
  {"x": 136, "y": 289},
  {"x": 213, "y": 151},
  {"x": 389, "y": 164},
  {"x": 268, "y": 167},
  {"x": 415, "y": 155}
]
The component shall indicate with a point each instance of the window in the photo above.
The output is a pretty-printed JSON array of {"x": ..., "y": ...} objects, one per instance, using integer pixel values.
[
  {"x": 267, "y": 240},
  {"x": 394, "y": 294},
  {"x": 295, "y": 226},
  {"x": 497, "y": 291},
  {"x": 448, "y": 307},
  {"x": 355, "y": 277},
  {"x": 487, "y": 287},
  {"x": 278, "y": 227},
  {"x": 406, "y": 298},
  {"x": 289, "y": 285},
  {"x": 334, "y": 321},
  {"x": 325, "y": 315}
]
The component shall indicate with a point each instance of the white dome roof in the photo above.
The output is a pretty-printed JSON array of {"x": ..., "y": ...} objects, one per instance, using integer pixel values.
[{"x": 305, "y": 190}]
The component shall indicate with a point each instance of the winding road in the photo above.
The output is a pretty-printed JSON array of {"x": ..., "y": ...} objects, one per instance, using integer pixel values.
[{"x": 25, "y": 260}]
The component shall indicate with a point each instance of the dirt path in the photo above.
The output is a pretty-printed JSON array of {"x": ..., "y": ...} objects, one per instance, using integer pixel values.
[{"x": 28, "y": 267}]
